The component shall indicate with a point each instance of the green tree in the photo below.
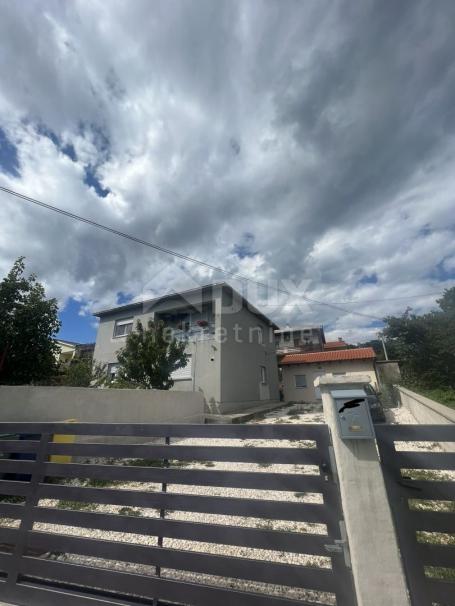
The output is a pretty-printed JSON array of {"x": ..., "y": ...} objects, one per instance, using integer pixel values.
[
  {"x": 149, "y": 357},
  {"x": 425, "y": 344},
  {"x": 84, "y": 372},
  {"x": 28, "y": 325}
]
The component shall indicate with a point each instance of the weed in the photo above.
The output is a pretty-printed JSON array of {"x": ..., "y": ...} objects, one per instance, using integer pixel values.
[
  {"x": 99, "y": 483},
  {"x": 76, "y": 505},
  {"x": 11, "y": 499},
  {"x": 130, "y": 511},
  {"x": 438, "y": 572}
]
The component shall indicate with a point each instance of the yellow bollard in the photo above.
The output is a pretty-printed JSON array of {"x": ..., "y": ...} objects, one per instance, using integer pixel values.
[{"x": 63, "y": 439}]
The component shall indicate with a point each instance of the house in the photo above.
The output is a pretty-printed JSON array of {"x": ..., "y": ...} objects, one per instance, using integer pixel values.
[
  {"x": 300, "y": 370},
  {"x": 67, "y": 351},
  {"x": 331, "y": 345},
  {"x": 70, "y": 350},
  {"x": 299, "y": 340},
  {"x": 230, "y": 344}
]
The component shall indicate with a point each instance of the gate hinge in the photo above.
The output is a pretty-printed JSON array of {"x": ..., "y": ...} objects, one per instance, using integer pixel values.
[{"x": 341, "y": 545}]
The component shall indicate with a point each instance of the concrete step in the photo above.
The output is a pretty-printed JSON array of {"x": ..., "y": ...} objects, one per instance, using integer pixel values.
[{"x": 244, "y": 415}]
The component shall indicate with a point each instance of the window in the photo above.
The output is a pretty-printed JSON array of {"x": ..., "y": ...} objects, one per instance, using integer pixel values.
[
  {"x": 112, "y": 370},
  {"x": 300, "y": 381},
  {"x": 184, "y": 373},
  {"x": 263, "y": 374},
  {"x": 123, "y": 327},
  {"x": 339, "y": 374}
]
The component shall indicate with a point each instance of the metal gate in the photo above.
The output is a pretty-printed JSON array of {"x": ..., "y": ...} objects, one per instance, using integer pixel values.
[
  {"x": 57, "y": 553},
  {"x": 420, "y": 481}
]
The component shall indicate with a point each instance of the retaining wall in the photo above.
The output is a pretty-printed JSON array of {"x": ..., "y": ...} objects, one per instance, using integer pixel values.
[{"x": 26, "y": 403}]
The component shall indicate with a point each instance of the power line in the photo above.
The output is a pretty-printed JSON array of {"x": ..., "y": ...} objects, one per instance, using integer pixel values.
[
  {"x": 167, "y": 251},
  {"x": 353, "y": 301}
]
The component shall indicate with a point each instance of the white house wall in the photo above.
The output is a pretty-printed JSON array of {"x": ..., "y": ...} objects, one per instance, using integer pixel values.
[{"x": 311, "y": 371}]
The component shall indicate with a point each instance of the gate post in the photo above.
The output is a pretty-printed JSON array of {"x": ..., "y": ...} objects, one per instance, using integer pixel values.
[{"x": 376, "y": 565}]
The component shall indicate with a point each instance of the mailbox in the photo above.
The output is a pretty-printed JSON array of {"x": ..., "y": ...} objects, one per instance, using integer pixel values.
[{"x": 353, "y": 414}]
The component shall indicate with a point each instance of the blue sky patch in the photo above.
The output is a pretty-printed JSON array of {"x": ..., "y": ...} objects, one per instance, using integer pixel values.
[
  {"x": 123, "y": 298},
  {"x": 92, "y": 180},
  {"x": 67, "y": 149},
  {"x": 441, "y": 274},
  {"x": 244, "y": 248},
  {"x": 371, "y": 279},
  {"x": 9, "y": 162},
  {"x": 75, "y": 327}
]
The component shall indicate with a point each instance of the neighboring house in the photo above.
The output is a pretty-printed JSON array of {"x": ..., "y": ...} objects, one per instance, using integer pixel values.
[
  {"x": 331, "y": 345},
  {"x": 300, "y": 370},
  {"x": 232, "y": 358},
  {"x": 69, "y": 351},
  {"x": 296, "y": 340}
]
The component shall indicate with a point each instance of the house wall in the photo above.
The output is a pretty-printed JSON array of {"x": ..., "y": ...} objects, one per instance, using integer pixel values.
[
  {"x": 205, "y": 358},
  {"x": 311, "y": 371},
  {"x": 242, "y": 357}
]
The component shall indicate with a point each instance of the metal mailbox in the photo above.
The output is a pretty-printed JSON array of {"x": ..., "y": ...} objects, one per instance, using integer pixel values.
[{"x": 353, "y": 414}]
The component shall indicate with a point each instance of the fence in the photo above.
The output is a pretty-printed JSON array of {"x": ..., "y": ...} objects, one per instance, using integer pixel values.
[
  {"x": 167, "y": 568},
  {"x": 420, "y": 483}
]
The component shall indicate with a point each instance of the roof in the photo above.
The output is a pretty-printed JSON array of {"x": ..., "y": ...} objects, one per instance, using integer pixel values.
[
  {"x": 335, "y": 345},
  {"x": 150, "y": 302},
  {"x": 362, "y": 353}
]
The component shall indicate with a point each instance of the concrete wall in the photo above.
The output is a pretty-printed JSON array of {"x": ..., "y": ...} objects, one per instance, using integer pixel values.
[
  {"x": 25, "y": 403},
  {"x": 427, "y": 412},
  {"x": 242, "y": 355},
  {"x": 376, "y": 565},
  {"x": 312, "y": 371}
]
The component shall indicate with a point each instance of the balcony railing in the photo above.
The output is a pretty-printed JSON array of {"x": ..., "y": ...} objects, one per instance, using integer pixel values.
[{"x": 195, "y": 333}]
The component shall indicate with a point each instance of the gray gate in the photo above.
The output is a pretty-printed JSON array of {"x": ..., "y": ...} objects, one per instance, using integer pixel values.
[
  {"x": 126, "y": 571},
  {"x": 421, "y": 489}
]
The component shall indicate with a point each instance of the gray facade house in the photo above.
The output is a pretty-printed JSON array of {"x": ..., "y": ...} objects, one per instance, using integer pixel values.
[{"x": 232, "y": 357}]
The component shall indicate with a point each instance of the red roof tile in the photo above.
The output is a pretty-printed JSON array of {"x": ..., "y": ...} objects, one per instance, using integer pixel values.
[{"x": 362, "y": 353}]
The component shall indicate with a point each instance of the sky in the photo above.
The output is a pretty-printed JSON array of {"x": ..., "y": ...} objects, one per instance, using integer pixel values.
[{"x": 306, "y": 144}]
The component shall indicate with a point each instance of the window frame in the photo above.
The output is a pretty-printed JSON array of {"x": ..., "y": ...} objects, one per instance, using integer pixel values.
[
  {"x": 123, "y": 322},
  {"x": 263, "y": 373},
  {"x": 300, "y": 386}
]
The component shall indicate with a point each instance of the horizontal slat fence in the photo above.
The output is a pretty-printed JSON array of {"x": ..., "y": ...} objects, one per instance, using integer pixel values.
[
  {"x": 29, "y": 576},
  {"x": 420, "y": 481}
]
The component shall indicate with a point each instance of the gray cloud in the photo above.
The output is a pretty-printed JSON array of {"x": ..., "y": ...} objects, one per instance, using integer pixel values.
[{"x": 323, "y": 129}]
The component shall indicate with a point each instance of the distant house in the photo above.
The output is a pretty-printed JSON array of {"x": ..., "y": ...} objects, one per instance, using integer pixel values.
[
  {"x": 300, "y": 370},
  {"x": 331, "y": 345},
  {"x": 230, "y": 344},
  {"x": 70, "y": 350},
  {"x": 299, "y": 340}
]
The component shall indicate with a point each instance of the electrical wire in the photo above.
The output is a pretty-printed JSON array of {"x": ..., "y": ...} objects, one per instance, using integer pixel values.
[{"x": 167, "y": 251}]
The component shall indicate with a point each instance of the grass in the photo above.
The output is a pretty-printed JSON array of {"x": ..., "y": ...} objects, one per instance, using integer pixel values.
[{"x": 443, "y": 395}]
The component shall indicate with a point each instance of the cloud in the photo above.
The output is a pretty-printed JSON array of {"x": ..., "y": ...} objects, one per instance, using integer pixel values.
[{"x": 308, "y": 144}]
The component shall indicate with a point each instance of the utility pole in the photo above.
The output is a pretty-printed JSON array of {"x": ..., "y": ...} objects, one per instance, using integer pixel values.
[{"x": 384, "y": 348}]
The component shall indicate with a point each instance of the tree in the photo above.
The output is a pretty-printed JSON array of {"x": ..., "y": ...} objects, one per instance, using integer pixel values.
[
  {"x": 149, "y": 358},
  {"x": 28, "y": 325},
  {"x": 84, "y": 372},
  {"x": 426, "y": 344}
]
